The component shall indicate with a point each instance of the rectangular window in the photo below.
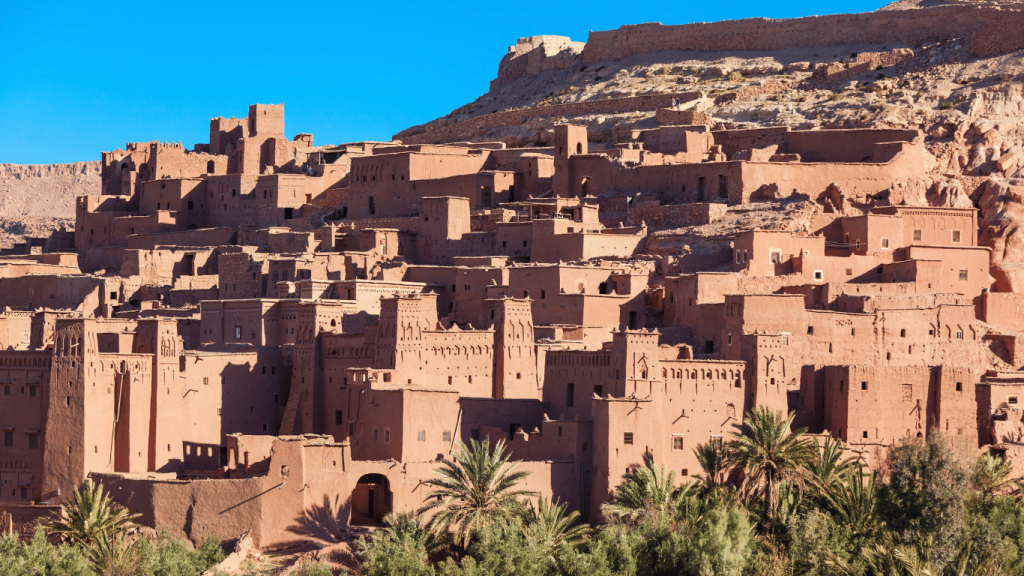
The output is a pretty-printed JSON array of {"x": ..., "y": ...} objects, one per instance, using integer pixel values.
[
  {"x": 8, "y": 438},
  {"x": 206, "y": 381},
  {"x": 959, "y": 386},
  {"x": 337, "y": 415},
  {"x": 32, "y": 391},
  {"x": 963, "y": 275},
  {"x": 863, "y": 385},
  {"x": 374, "y": 435},
  {"x": 917, "y": 235},
  {"x": 513, "y": 428},
  {"x": 885, "y": 243},
  {"x": 373, "y": 205},
  {"x": 599, "y": 390},
  {"x": 677, "y": 443},
  {"x": 387, "y": 435},
  {"x": 238, "y": 332},
  {"x": 956, "y": 235},
  {"x": 570, "y": 393},
  {"x": 33, "y": 441},
  {"x": 627, "y": 438},
  {"x": 421, "y": 436},
  {"x": 446, "y": 436},
  {"x": 775, "y": 256}
]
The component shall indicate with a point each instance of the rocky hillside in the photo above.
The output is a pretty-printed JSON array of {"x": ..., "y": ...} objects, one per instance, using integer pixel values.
[
  {"x": 36, "y": 199},
  {"x": 970, "y": 107}
]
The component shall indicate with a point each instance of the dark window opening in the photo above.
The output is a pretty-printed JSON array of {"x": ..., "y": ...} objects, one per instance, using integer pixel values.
[
  {"x": 709, "y": 347},
  {"x": 570, "y": 393}
]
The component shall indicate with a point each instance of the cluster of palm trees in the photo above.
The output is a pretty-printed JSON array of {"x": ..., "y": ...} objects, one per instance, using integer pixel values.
[{"x": 764, "y": 472}]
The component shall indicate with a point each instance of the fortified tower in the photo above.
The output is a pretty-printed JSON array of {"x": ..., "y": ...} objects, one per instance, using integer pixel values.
[
  {"x": 515, "y": 363},
  {"x": 635, "y": 360},
  {"x": 570, "y": 140},
  {"x": 159, "y": 337}
]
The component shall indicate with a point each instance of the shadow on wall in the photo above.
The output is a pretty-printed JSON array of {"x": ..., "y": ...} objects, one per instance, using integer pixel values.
[{"x": 323, "y": 521}]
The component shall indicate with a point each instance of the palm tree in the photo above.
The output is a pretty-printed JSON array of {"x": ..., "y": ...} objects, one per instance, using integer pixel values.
[
  {"x": 91, "y": 516},
  {"x": 888, "y": 557},
  {"x": 768, "y": 454},
  {"x": 114, "y": 555},
  {"x": 478, "y": 487},
  {"x": 991, "y": 474},
  {"x": 830, "y": 466},
  {"x": 855, "y": 502},
  {"x": 548, "y": 523},
  {"x": 646, "y": 492},
  {"x": 712, "y": 460}
]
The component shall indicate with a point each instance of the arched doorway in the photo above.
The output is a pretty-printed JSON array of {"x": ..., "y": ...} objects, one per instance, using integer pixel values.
[{"x": 371, "y": 500}]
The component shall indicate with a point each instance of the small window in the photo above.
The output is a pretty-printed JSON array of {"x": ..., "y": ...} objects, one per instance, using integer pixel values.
[
  {"x": 903, "y": 333},
  {"x": 819, "y": 275},
  {"x": 959, "y": 335},
  {"x": 709, "y": 346},
  {"x": 598, "y": 390},
  {"x": 8, "y": 438},
  {"x": 337, "y": 416},
  {"x": 959, "y": 386},
  {"x": 524, "y": 243},
  {"x": 863, "y": 385},
  {"x": 963, "y": 275},
  {"x": 238, "y": 332},
  {"x": 840, "y": 385},
  {"x": 375, "y": 435},
  {"x": 421, "y": 436},
  {"x": 917, "y": 235},
  {"x": 570, "y": 393},
  {"x": 559, "y": 431},
  {"x": 956, "y": 235},
  {"x": 810, "y": 330},
  {"x": 543, "y": 294},
  {"x": 387, "y": 435},
  {"x": 32, "y": 391},
  {"x": 218, "y": 411},
  {"x": 33, "y": 441},
  {"x": 677, "y": 443},
  {"x": 885, "y": 246},
  {"x": 206, "y": 381},
  {"x": 627, "y": 438},
  {"x": 775, "y": 256},
  {"x": 849, "y": 271},
  {"x": 446, "y": 436},
  {"x": 865, "y": 434}
]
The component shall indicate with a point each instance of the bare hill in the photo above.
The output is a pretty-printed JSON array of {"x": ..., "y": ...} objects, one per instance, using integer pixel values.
[{"x": 36, "y": 199}]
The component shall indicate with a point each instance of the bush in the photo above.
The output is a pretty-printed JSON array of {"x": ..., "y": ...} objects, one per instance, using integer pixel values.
[
  {"x": 735, "y": 77},
  {"x": 309, "y": 568},
  {"x": 40, "y": 558},
  {"x": 947, "y": 105},
  {"x": 925, "y": 495}
]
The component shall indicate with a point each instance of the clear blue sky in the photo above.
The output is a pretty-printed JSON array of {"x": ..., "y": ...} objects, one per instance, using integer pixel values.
[{"x": 82, "y": 77}]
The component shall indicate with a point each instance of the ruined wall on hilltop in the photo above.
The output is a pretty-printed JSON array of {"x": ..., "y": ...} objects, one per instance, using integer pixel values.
[
  {"x": 535, "y": 54},
  {"x": 989, "y": 31}
]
